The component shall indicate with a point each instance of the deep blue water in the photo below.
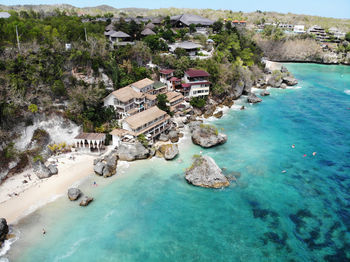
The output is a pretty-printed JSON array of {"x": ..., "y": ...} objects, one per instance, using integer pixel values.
[{"x": 151, "y": 214}]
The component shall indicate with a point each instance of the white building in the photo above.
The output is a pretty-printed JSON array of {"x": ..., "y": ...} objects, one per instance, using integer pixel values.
[
  {"x": 299, "y": 29},
  {"x": 197, "y": 81}
]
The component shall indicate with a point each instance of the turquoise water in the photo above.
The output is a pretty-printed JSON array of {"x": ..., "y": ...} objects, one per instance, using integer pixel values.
[{"x": 151, "y": 214}]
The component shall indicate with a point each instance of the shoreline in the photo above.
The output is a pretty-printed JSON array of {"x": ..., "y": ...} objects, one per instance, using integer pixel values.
[
  {"x": 306, "y": 62},
  {"x": 42, "y": 191}
]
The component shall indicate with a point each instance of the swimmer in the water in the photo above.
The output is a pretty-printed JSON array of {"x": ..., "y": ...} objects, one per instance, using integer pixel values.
[
  {"x": 284, "y": 171},
  {"x": 314, "y": 153},
  {"x": 293, "y": 146}
]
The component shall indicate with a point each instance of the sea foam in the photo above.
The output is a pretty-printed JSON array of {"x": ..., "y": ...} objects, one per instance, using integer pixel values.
[{"x": 347, "y": 91}]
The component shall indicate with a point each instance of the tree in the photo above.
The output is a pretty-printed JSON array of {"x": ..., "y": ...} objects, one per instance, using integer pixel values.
[
  {"x": 217, "y": 26},
  {"x": 197, "y": 102},
  {"x": 192, "y": 28},
  {"x": 163, "y": 103},
  {"x": 347, "y": 36}
]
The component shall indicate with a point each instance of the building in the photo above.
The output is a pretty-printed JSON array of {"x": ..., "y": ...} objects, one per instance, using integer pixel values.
[
  {"x": 147, "y": 32},
  {"x": 150, "y": 122},
  {"x": 336, "y": 33},
  {"x": 175, "y": 100},
  {"x": 118, "y": 37},
  {"x": 165, "y": 75},
  {"x": 197, "y": 81},
  {"x": 190, "y": 47},
  {"x": 238, "y": 23},
  {"x": 319, "y": 33},
  {"x": 4, "y": 15},
  {"x": 92, "y": 141},
  {"x": 145, "y": 85},
  {"x": 185, "y": 20},
  {"x": 126, "y": 101},
  {"x": 299, "y": 29},
  {"x": 159, "y": 88}
]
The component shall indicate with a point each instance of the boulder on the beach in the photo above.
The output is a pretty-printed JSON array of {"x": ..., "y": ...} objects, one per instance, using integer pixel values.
[
  {"x": 283, "y": 86},
  {"x": 290, "y": 81},
  {"x": 252, "y": 98},
  {"x": 53, "y": 169},
  {"x": 174, "y": 136},
  {"x": 74, "y": 194},
  {"x": 85, "y": 201},
  {"x": 207, "y": 136},
  {"x": 219, "y": 114},
  {"x": 42, "y": 171},
  {"x": 4, "y": 230},
  {"x": 265, "y": 93},
  {"x": 163, "y": 137},
  {"x": 132, "y": 151},
  {"x": 204, "y": 172},
  {"x": 169, "y": 151},
  {"x": 106, "y": 166}
]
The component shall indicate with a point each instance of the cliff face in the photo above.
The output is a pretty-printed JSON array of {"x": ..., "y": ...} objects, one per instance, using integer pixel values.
[{"x": 300, "y": 50}]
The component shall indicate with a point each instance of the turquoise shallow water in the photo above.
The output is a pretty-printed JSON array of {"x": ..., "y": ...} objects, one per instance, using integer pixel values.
[{"x": 152, "y": 214}]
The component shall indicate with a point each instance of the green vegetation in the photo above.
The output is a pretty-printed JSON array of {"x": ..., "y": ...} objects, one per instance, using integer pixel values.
[
  {"x": 347, "y": 36},
  {"x": 143, "y": 140},
  {"x": 198, "y": 102},
  {"x": 162, "y": 103},
  {"x": 33, "y": 108}
]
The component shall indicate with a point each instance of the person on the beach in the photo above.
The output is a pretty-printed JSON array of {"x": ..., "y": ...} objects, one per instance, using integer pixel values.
[
  {"x": 95, "y": 184},
  {"x": 44, "y": 232}
]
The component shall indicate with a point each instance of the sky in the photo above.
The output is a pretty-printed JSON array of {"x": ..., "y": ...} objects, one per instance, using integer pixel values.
[{"x": 327, "y": 8}]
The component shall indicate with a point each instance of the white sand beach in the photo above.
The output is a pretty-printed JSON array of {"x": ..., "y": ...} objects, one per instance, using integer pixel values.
[{"x": 18, "y": 199}]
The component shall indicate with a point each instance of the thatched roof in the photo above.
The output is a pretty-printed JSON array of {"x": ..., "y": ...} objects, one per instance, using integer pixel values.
[
  {"x": 119, "y": 34},
  {"x": 188, "y": 19},
  {"x": 147, "y": 31}
]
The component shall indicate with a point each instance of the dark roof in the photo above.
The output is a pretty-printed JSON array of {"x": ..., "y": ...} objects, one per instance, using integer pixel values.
[
  {"x": 91, "y": 136},
  {"x": 196, "y": 73},
  {"x": 166, "y": 71},
  {"x": 188, "y": 19},
  {"x": 150, "y": 25},
  {"x": 109, "y": 27},
  {"x": 147, "y": 31}
]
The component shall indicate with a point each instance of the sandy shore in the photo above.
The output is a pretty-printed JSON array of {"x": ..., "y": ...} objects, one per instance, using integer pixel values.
[{"x": 18, "y": 199}]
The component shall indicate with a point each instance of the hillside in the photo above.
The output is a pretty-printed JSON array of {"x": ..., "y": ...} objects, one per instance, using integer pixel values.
[{"x": 253, "y": 17}]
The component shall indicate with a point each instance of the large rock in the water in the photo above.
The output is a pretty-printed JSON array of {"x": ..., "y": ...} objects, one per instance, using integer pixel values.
[
  {"x": 107, "y": 165},
  {"x": 290, "y": 81},
  {"x": 252, "y": 98},
  {"x": 4, "y": 230},
  {"x": 74, "y": 194},
  {"x": 43, "y": 171},
  {"x": 174, "y": 136},
  {"x": 219, "y": 114},
  {"x": 207, "y": 136},
  {"x": 85, "y": 201},
  {"x": 265, "y": 93},
  {"x": 132, "y": 151},
  {"x": 275, "y": 80},
  {"x": 169, "y": 151},
  {"x": 205, "y": 173},
  {"x": 53, "y": 169}
]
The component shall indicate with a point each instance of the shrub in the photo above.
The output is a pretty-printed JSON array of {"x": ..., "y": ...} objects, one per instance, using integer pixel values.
[
  {"x": 197, "y": 102},
  {"x": 143, "y": 140},
  {"x": 33, "y": 108},
  {"x": 209, "y": 128}
]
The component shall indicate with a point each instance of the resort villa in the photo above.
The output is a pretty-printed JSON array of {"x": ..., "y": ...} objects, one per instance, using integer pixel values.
[
  {"x": 318, "y": 32},
  {"x": 132, "y": 99},
  {"x": 151, "y": 123},
  {"x": 197, "y": 81},
  {"x": 118, "y": 37},
  {"x": 185, "y": 20},
  {"x": 190, "y": 47},
  {"x": 175, "y": 100},
  {"x": 299, "y": 29},
  {"x": 165, "y": 75}
]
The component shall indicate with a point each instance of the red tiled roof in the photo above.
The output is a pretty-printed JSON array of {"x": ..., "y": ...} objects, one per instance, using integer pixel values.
[
  {"x": 166, "y": 71},
  {"x": 186, "y": 85},
  {"x": 235, "y": 21},
  {"x": 196, "y": 73},
  {"x": 174, "y": 79},
  {"x": 243, "y": 21}
]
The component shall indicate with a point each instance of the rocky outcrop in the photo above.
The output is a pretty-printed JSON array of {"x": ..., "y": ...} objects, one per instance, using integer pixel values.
[
  {"x": 42, "y": 171},
  {"x": 86, "y": 201},
  {"x": 74, "y": 194},
  {"x": 219, "y": 114},
  {"x": 290, "y": 81},
  {"x": 4, "y": 230},
  {"x": 174, "y": 136},
  {"x": 265, "y": 93},
  {"x": 163, "y": 137},
  {"x": 205, "y": 173},
  {"x": 237, "y": 90},
  {"x": 169, "y": 151},
  {"x": 275, "y": 80},
  {"x": 132, "y": 151},
  {"x": 106, "y": 166},
  {"x": 207, "y": 135},
  {"x": 252, "y": 98},
  {"x": 209, "y": 111}
]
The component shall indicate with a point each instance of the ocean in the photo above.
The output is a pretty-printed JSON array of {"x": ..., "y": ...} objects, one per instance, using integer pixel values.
[{"x": 289, "y": 204}]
